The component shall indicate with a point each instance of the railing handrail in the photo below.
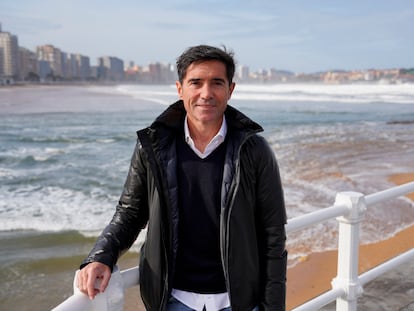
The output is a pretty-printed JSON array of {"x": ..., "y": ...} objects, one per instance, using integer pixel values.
[
  {"x": 313, "y": 218},
  {"x": 349, "y": 208},
  {"x": 386, "y": 266},
  {"x": 390, "y": 193},
  {"x": 333, "y": 211}
]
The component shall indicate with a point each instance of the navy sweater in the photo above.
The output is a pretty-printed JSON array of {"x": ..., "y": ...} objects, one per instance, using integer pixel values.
[{"x": 198, "y": 263}]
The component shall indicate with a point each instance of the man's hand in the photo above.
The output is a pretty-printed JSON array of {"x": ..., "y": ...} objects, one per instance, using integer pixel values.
[{"x": 93, "y": 275}]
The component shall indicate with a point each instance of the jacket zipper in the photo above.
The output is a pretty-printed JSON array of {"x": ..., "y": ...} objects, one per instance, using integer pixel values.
[{"x": 232, "y": 192}]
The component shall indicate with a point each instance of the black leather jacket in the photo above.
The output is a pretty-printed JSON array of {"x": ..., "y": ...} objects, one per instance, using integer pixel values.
[{"x": 252, "y": 220}]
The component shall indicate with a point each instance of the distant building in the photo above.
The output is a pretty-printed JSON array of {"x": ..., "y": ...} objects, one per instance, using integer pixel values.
[
  {"x": 94, "y": 72},
  {"x": 243, "y": 73},
  {"x": 78, "y": 67},
  {"x": 84, "y": 66},
  {"x": 280, "y": 75},
  {"x": 9, "y": 57},
  {"x": 53, "y": 56},
  {"x": 110, "y": 68},
  {"x": 71, "y": 67},
  {"x": 133, "y": 73},
  {"x": 131, "y": 64},
  {"x": 161, "y": 73},
  {"x": 28, "y": 65},
  {"x": 44, "y": 70}
]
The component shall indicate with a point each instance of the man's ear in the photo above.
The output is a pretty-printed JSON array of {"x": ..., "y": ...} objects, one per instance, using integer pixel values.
[
  {"x": 179, "y": 89},
  {"x": 232, "y": 86}
]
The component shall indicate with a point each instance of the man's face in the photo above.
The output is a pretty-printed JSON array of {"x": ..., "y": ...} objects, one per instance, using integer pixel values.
[{"x": 205, "y": 91}]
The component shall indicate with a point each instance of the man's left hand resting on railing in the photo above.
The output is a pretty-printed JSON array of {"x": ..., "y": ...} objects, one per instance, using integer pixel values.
[{"x": 93, "y": 279}]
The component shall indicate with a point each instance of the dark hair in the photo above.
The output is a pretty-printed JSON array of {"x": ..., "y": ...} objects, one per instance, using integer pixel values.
[{"x": 201, "y": 53}]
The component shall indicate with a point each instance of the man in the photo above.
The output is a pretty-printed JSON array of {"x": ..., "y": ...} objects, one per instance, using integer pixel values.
[{"x": 208, "y": 189}]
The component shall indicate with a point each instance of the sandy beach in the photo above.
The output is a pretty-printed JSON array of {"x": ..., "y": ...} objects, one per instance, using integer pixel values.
[{"x": 313, "y": 276}]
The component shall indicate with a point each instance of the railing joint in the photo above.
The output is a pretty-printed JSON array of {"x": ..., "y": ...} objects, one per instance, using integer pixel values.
[
  {"x": 355, "y": 202},
  {"x": 352, "y": 289}
]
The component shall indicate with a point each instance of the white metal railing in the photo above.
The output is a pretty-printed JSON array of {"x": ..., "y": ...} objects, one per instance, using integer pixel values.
[
  {"x": 349, "y": 209},
  {"x": 347, "y": 286}
]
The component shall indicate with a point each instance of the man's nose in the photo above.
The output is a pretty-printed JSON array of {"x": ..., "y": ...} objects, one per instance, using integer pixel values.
[{"x": 206, "y": 91}]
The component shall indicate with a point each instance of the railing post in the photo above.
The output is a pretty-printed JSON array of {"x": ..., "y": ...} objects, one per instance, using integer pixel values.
[{"x": 348, "y": 249}]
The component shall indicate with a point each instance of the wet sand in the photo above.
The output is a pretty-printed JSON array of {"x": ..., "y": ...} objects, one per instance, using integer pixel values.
[{"x": 313, "y": 276}]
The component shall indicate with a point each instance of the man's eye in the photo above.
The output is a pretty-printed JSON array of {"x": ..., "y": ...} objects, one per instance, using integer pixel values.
[{"x": 218, "y": 82}]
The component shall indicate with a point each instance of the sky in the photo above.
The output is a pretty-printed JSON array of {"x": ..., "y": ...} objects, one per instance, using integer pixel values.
[{"x": 302, "y": 36}]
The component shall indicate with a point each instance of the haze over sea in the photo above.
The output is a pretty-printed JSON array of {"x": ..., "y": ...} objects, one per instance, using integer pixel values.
[{"x": 65, "y": 151}]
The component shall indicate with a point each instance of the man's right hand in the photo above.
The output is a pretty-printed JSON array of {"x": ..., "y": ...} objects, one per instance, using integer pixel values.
[{"x": 93, "y": 273}]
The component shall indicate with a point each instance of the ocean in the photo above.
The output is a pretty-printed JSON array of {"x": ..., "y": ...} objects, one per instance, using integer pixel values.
[{"x": 65, "y": 152}]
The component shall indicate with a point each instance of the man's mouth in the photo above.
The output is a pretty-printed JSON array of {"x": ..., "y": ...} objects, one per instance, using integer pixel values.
[{"x": 208, "y": 105}]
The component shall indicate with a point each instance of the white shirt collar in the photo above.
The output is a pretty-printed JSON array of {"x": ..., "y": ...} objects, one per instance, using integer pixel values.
[{"x": 212, "y": 145}]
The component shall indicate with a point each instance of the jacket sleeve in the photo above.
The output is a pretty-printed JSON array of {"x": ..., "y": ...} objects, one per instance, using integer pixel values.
[
  {"x": 272, "y": 219},
  {"x": 131, "y": 215}
]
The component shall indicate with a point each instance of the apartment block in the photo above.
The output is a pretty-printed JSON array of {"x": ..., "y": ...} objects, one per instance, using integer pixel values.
[
  {"x": 53, "y": 56},
  {"x": 77, "y": 67},
  {"x": 160, "y": 73},
  {"x": 243, "y": 73},
  {"x": 28, "y": 65},
  {"x": 110, "y": 68},
  {"x": 9, "y": 56},
  {"x": 84, "y": 66}
]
